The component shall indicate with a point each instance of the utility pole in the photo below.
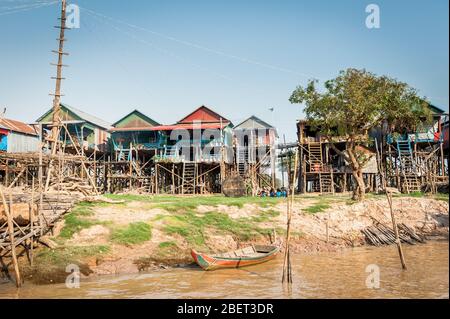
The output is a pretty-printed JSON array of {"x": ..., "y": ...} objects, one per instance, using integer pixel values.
[{"x": 56, "y": 120}]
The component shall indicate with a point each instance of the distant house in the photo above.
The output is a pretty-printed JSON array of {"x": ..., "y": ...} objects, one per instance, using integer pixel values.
[
  {"x": 85, "y": 129},
  {"x": 254, "y": 140},
  {"x": 256, "y": 132},
  {"x": 203, "y": 127},
  {"x": 17, "y": 137},
  {"x": 136, "y": 130}
]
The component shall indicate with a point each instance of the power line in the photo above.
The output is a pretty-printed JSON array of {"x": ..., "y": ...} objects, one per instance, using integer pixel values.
[
  {"x": 27, "y": 8},
  {"x": 162, "y": 50},
  {"x": 200, "y": 47}
]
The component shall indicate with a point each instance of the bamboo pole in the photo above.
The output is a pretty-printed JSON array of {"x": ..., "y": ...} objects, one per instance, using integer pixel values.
[
  {"x": 17, "y": 177},
  {"x": 11, "y": 236},
  {"x": 395, "y": 227},
  {"x": 32, "y": 224},
  {"x": 287, "y": 269}
]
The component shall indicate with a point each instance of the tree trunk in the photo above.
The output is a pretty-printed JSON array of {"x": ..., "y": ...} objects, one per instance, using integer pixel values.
[{"x": 360, "y": 190}]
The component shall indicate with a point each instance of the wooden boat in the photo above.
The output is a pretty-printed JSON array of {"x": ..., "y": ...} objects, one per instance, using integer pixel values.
[{"x": 247, "y": 256}]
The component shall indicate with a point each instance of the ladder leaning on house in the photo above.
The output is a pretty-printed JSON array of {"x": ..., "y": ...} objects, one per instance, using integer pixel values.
[
  {"x": 189, "y": 178},
  {"x": 408, "y": 167},
  {"x": 242, "y": 159},
  {"x": 324, "y": 183}
]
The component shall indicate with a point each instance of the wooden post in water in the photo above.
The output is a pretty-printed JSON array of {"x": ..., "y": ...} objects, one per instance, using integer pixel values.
[
  {"x": 287, "y": 271},
  {"x": 394, "y": 226}
]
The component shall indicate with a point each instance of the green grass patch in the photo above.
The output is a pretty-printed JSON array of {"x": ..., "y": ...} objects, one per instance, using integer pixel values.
[
  {"x": 134, "y": 233},
  {"x": 183, "y": 203},
  {"x": 193, "y": 227},
  {"x": 265, "y": 216},
  {"x": 78, "y": 219},
  {"x": 73, "y": 224},
  {"x": 63, "y": 256},
  {"x": 317, "y": 208},
  {"x": 167, "y": 244},
  {"x": 441, "y": 196}
]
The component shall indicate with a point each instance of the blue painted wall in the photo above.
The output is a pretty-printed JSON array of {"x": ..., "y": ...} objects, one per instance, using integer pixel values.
[{"x": 3, "y": 142}]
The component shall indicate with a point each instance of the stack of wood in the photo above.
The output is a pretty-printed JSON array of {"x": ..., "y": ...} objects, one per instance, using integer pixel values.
[
  {"x": 380, "y": 235},
  {"x": 72, "y": 185}
]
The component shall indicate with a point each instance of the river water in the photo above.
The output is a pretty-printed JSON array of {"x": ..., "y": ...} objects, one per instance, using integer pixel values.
[{"x": 324, "y": 275}]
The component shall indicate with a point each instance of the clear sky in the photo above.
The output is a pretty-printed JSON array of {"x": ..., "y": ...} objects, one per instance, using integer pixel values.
[{"x": 239, "y": 57}]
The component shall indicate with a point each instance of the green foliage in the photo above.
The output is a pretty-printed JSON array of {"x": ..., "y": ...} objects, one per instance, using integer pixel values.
[
  {"x": 134, "y": 233},
  {"x": 357, "y": 101},
  {"x": 354, "y": 103}
]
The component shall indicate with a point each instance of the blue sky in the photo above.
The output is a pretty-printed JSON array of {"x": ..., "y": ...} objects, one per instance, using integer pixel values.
[{"x": 167, "y": 57}]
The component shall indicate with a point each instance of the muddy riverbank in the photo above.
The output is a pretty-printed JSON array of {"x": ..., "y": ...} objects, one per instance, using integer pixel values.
[{"x": 142, "y": 234}]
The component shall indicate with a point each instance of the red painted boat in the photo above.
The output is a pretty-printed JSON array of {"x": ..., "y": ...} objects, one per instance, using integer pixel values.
[{"x": 248, "y": 256}]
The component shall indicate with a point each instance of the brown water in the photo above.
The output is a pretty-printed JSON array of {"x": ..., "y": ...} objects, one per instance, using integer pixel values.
[{"x": 326, "y": 275}]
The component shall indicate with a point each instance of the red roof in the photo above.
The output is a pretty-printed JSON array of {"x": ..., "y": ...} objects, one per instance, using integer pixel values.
[
  {"x": 189, "y": 126},
  {"x": 17, "y": 126},
  {"x": 204, "y": 115}
]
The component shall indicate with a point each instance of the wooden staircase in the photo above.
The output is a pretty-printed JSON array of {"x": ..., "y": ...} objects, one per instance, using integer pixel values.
[
  {"x": 315, "y": 156},
  {"x": 326, "y": 183},
  {"x": 189, "y": 177},
  {"x": 408, "y": 168},
  {"x": 323, "y": 184}
]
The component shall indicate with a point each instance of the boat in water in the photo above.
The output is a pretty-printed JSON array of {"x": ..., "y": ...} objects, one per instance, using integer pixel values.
[{"x": 247, "y": 256}]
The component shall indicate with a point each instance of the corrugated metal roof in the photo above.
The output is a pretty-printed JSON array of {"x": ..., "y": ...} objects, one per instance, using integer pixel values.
[
  {"x": 88, "y": 117},
  {"x": 253, "y": 122},
  {"x": 17, "y": 126},
  {"x": 205, "y": 115},
  {"x": 132, "y": 129},
  {"x": 202, "y": 126},
  {"x": 150, "y": 121},
  {"x": 81, "y": 114}
]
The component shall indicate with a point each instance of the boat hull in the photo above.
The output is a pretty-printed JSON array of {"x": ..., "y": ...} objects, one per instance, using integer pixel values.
[{"x": 208, "y": 262}]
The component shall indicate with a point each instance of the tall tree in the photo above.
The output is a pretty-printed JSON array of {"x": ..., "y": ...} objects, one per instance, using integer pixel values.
[{"x": 355, "y": 102}]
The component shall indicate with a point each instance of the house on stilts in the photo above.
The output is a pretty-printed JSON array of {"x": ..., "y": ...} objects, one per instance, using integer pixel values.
[
  {"x": 133, "y": 145},
  {"x": 322, "y": 169},
  {"x": 255, "y": 152},
  {"x": 80, "y": 132},
  {"x": 16, "y": 139},
  {"x": 413, "y": 161},
  {"x": 416, "y": 160},
  {"x": 197, "y": 156}
]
